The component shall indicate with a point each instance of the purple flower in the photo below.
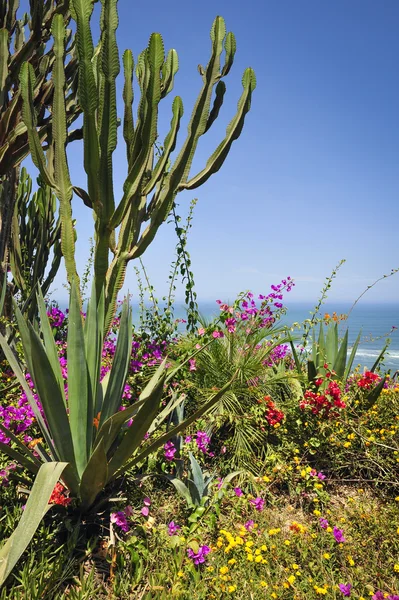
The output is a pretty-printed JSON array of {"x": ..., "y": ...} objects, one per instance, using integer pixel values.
[
  {"x": 393, "y": 597},
  {"x": 198, "y": 557},
  {"x": 187, "y": 439},
  {"x": 258, "y": 503},
  {"x": 202, "y": 441},
  {"x": 339, "y": 535},
  {"x": 321, "y": 476},
  {"x": 345, "y": 588},
  {"x": 145, "y": 511},
  {"x": 170, "y": 450},
  {"x": 119, "y": 518},
  {"x": 173, "y": 528},
  {"x": 249, "y": 525},
  {"x": 378, "y": 596},
  {"x": 238, "y": 491},
  {"x": 323, "y": 523}
]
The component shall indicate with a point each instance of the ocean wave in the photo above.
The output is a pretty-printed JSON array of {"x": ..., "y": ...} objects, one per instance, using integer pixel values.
[{"x": 375, "y": 353}]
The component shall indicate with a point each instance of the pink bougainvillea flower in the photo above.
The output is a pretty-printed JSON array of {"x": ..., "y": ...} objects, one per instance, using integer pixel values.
[{"x": 238, "y": 491}]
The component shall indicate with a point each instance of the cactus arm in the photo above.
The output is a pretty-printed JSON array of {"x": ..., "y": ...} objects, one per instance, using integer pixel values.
[
  {"x": 128, "y": 122},
  {"x": 197, "y": 126},
  {"x": 169, "y": 70},
  {"x": 220, "y": 91},
  {"x": 168, "y": 145},
  {"x": 29, "y": 117},
  {"x": 64, "y": 186},
  {"x": 232, "y": 133},
  {"x": 82, "y": 11},
  {"x": 109, "y": 67},
  {"x": 230, "y": 47},
  {"x": 154, "y": 60}
]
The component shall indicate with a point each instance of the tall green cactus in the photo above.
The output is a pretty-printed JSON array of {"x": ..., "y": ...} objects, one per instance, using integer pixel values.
[
  {"x": 151, "y": 185},
  {"x": 35, "y": 232},
  {"x": 24, "y": 40}
]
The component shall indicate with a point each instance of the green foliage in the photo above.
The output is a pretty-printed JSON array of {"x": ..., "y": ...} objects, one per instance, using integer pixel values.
[
  {"x": 160, "y": 180},
  {"x": 35, "y": 233}
]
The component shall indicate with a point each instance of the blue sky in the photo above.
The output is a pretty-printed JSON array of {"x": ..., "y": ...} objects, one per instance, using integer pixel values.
[{"x": 314, "y": 176}]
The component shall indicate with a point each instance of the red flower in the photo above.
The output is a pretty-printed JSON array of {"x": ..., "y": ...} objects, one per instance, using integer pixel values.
[
  {"x": 58, "y": 496},
  {"x": 368, "y": 379}
]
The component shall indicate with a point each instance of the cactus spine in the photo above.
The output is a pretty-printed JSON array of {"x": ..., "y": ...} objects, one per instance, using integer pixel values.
[{"x": 151, "y": 185}]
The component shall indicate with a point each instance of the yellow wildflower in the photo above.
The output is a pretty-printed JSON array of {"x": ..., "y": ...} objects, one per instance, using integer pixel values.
[{"x": 223, "y": 570}]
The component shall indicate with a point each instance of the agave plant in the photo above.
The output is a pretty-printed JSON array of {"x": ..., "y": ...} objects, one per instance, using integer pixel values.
[
  {"x": 88, "y": 441},
  {"x": 151, "y": 186}
]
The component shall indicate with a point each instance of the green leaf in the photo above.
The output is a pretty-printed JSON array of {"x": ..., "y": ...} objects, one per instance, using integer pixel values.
[
  {"x": 134, "y": 434},
  {"x": 197, "y": 475},
  {"x": 120, "y": 365},
  {"x": 94, "y": 477},
  {"x": 181, "y": 489},
  {"x": 78, "y": 385},
  {"x": 12, "y": 361},
  {"x": 341, "y": 357},
  {"x": 352, "y": 357},
  {"x": 36, "y": 507},
  {"x": 49, "y": 343},
  {"x": 46, "y": 385},
  {"x": 162, "y": 439},
  {"x": 332, "y": 344}
]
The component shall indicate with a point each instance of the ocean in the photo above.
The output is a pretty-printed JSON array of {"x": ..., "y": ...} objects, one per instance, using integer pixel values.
[{"x": 375, "y": 321}]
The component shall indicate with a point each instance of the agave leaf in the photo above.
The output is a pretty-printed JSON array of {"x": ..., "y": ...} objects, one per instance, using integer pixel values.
[
  {"x": 120, "y": 365},
  {"x": 181, "y": 489},
  {"x": 341, "y": 357},
  {"x": 94, "y": 477},
  {"x": 169, "y": 408},
  {"x": 18, "y": 456},
  {"x": 49, "y": 343},
  {"x": 12, "y": 361},
  {"x": 352, "y": 357},
  {"x": 379, "y": 358},
  {"x": 94, "y": 336},
  {"x": 21, "y": 447},
  {"x": 134, "y": 435},
  {"x": 3, "y": 292},
  {"x": 80, "y": 417},
  {"x": 36, "y": 507},
  {"x": 196, "y": 497},
  {"x": 198, "y": 477},
  {"x": 373, "y": 396},
  {"x": 332, "y": 344}
]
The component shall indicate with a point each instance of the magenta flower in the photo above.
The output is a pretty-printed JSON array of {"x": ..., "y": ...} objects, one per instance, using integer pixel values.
[
  {"x": 119, "y": 518},
  {"x": 198, "y": 557},
  {"x": 170, "y": 450},
  {"x": 193, "y": 364},
  {"x": 238, "y": 491},
  {"x": 345, "y": 588},
  {"x": 188, "y": 439},
  {"x": 173, "y": 528},
  {"x": 145, "y": 511},
  {"x": 321, "y": 476},
  {"x": 323, "y": 523},
  {"x": 339, "y": 535},
  {"x": 258, "y": 503},
  {"x": 249, "y": 525},
  {"x": 378, "y": 596}
]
